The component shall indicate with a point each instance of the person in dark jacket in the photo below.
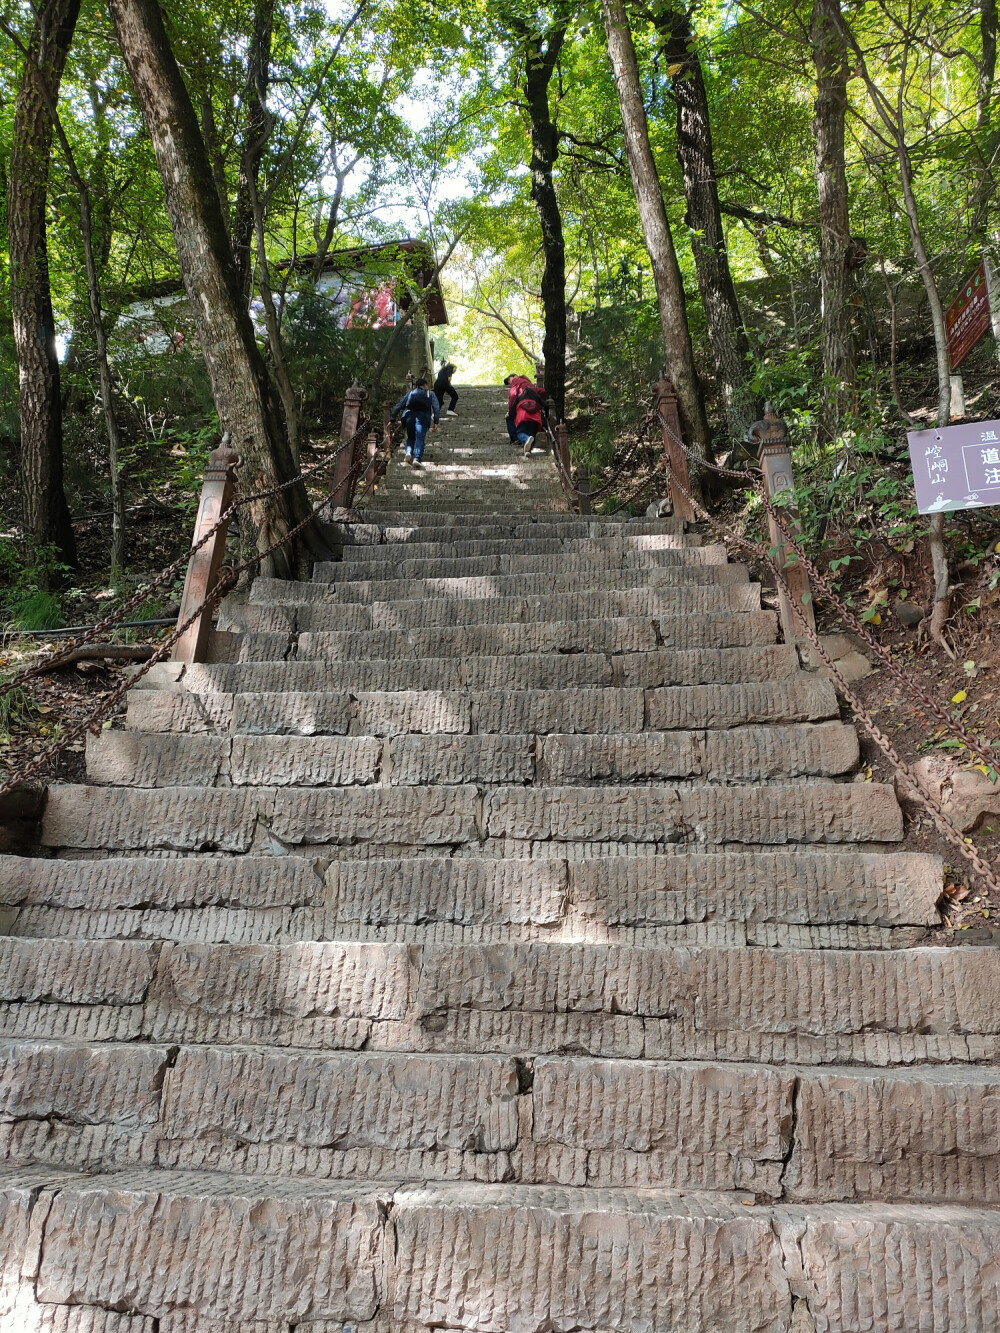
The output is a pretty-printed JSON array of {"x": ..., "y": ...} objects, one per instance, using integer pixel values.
[
  {"x": 418, "y": 408},
  {"x": 443, "y": 386},
  {"x": 526, "y": 405}
]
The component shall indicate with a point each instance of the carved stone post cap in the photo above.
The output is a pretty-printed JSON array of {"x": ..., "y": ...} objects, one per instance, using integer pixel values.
[
  {"x": 665, "y": 386},
  {"x": 223, "y": 456},
  {"x": 356, "y": 393},
  {"x": 771, "y": 432}
]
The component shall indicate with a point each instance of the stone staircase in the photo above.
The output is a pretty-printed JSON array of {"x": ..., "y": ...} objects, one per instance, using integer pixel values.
[{"x": 492, "y": 939}]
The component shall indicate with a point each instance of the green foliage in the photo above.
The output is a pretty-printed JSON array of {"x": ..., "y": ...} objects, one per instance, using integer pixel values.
[{"x": 25, "y": 578}]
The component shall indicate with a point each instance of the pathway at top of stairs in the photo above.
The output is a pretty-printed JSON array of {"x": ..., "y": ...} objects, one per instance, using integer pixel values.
[
  {"x": 470, "y": 467},
  {"x": 492, "y": 938}
]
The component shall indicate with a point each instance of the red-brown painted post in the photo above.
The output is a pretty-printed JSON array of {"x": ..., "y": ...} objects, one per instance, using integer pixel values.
[
  {"x": 203, "y": 567},
  {"x": 562, "y": 445},
  {"x": 343, "y": 467},
  {"x": 676, "y": 458},
  {"x": 581, "y": 481},
  {"x": 776, "y": 464}
]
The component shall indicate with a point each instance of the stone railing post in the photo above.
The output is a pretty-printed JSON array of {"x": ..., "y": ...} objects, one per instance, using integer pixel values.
[
  {"x": 674, "y": 455},
  {"x": 343, "y": 467},
  {"x": 562, "y": 445},
  {"x": 772, "y": 437},
  {"x": 581, "y": 480},
  {"x": 203, "y": 568}
]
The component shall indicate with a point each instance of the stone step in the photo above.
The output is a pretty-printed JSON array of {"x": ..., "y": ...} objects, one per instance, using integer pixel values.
[
  {"x": 621, "y": 634},
  {"x": 207, "y": 1252},
  {"x": 878, "y": 1008},
  {"x": 509, "y": 527},
  {"x": 366, "y": 591},
  {"x": 417, "y": 613},
  {"x": 356, "y": 557},
  {"x": 795, "y": 885},
  {"x": 501, "y": 819},
  {"x": 516, "y": 561},
  {"x": 799, "y": 1134},
  {"x": 424, "y": 517},
  {"x": 277, "y": 925},
  {"x": 527, "y": 671},
  {"x": 741, "y": 754},
  {"x": 459, "y": 712}
]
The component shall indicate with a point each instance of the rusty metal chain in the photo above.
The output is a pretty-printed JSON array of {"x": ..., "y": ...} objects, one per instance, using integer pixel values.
[
  {"x": 56, "y": 659},
  {"x": 945, "y": 827},
  {"x": 968, "y": 739}
]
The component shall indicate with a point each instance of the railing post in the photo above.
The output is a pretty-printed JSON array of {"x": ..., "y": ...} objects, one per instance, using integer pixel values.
[
  {"x": 562, "y": 444},
  {"x": 343, "y": 467},
  {"x": 581, "y": 480},
  {"x": 675, "y": 457},
  {"x": 203, "y": 567},
  {"x": 776, "y": 464}
]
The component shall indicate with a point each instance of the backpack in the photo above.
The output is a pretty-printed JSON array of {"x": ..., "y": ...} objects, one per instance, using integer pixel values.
[
  {"x": 418, "y": 402},
  {"x": 532, "y": 395}
]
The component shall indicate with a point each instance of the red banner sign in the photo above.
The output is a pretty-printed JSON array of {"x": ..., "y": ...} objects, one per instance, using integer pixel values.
[{"x": 968, "y": 316}]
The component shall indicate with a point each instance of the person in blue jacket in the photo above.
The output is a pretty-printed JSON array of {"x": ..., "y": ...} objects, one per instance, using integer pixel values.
[{"x": 418, "y": 409}]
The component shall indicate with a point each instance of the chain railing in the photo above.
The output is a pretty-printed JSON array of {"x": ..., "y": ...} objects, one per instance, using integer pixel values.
[
  {"x": 962, "y": 844},
  {"x": 108, "y": 622},
  {"x": 222, "y": 578}
]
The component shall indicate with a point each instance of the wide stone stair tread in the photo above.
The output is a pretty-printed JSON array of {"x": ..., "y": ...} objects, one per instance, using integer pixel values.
[
  {"x": 515, "y": 561},
  {"x": 529, "y": 671},
  {"x": 489, "y": 937},
  {"x": 192, "y": 818},
  {"x": 536, "y": 1256},
  {"x": 763, "y": 1005},
  {"x": 588, "y": 711},
  {"x": 859, "y": 1134},
  {"x": 293, "y": 618},
  {"x": 277, "y": 591}
]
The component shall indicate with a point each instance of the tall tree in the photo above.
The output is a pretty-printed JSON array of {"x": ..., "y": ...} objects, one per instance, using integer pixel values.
[
  {"x": 829, "y": 47},
  {"x": 696, "y": 155},
  {"x": 241, "y": 386},
  {"x": 678, "y": 352},
  {"x": 541, "y": 55},
  {"x": 46, "y": 514},
  {"x": 256, "y": 130}
]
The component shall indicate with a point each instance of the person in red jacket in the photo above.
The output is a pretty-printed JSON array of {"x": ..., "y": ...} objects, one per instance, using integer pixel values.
[{"x": 526, "y": 405}]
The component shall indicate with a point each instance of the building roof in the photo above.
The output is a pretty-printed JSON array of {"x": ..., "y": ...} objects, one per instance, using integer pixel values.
[{"x": 367, "y": 259}]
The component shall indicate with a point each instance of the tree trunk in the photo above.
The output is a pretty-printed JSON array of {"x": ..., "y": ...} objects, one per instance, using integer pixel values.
[
  {"x": 281, "y": 374},
  {"x": 241, "y": 386},
  {"x": 46, "y": 514},
  {"x": 830, "y": 58},
  {"x": 540, "y": 57},
  {"x": 696, "y": 156},
  {"x": 255, "y": 133},
  {"x": 988, "y": 65},
  {"x": 678, "y": 352}
]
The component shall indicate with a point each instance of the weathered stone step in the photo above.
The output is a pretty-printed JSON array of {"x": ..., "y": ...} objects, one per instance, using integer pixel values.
[
  {"x": 776, "y": 1006},
  {"x": 366, "y": 591},
  {"x": 277, "y": 925},
  {"x": 237, "y": 820},
  {"x": 504, "y": 527},
  {"x": 432, "y": 518},
  {"x": 183, "y": 1246},
  {"x": 459, "y": 712},
  {"x": 356, "y": 557},
  {"x": 797, "y": 885},
  {"x": 528, "y": 671},
  {"x": 742, "y": 754},
  {"x": 799, "y": 1134},
  {"x": 517, "y": 561},
  {"x": 614, "y": 635},
  {"x": 291, "y": 617}
]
